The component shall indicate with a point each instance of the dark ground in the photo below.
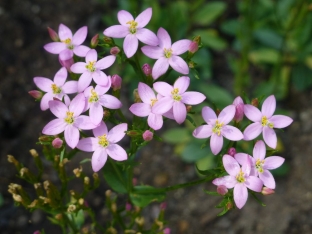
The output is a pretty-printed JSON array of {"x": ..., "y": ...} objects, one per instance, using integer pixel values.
[{"x": 22, "y": 36}]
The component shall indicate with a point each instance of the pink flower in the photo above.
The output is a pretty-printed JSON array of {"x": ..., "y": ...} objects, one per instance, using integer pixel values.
[
  {"x": 56, "y": 88},
  {"x": 260, "y": 165},
  {"x": 92, "y": 69},
  {"x": 265, "y": 121},
  {"x": 103, "y": 144},
  {"x": 239, "y": 178},
  {"x": 133, "y": 30},
  {"x": 167, "y": 54},
  {"x": 217, "y": 128},
  {"x": 68, "y": 120},
  {"x": 68, "y": 42},
  {"x": 239, "y": 106},
  {"x": 175, "y": 97},
  {"x": 96, "y": 98},
  {"x": 144, "y": 109}
]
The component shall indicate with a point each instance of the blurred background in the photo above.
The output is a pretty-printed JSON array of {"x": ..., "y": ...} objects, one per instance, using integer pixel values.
[{"x": 251, "y": 48}]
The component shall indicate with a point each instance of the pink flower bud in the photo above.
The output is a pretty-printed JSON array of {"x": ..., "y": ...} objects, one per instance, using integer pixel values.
[
  {"x": 167, "y": 231},
  {"x": 147, "y": 69},
  {"x": 267, "y": 191},
  {"x": 147, "y": 135},
  {"x": 239, "y": 105},
  {"x": 232, "y": 151},
  {"x": 116, "y": 82},
  {"x": 128, "y": 206},
  {"x": 66, "y": 59},
  {"x": 53, "y": 34},
  {"x": 37, "y": 232},
  {"x": 35, "y": 94},
  {"x": 95, "y": 41},
  {"x": 193, "y": 47},
  {"x": 114, "y": 50},
  {"x": 57, "y": 143},
  {"x": 163, "y": 205},
  {"x": 134, "y": 181},
  {"x": 222, "y": 190}
]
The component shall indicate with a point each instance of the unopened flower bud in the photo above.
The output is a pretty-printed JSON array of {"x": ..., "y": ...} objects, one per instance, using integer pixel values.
[
  {"x": 132, "y": 133},
  {"x": 34, "y": 153},
  {"x": 218, "y": 111},
  {"x": 57, "y": 143},
  {"x": 134, "y": 181},
  {"x": 45, "y": 138},
  {"x": 86, "y": 180},
  {"x": 108, "y": 193},
  {"x": 33, "y": 204},
  {"x": 58, "y": 216},
  {"x": 193, "y": 47},
  {"x": 128, "y": 206},
  {"x": 108, "y": 40},
  {"x": 163, "y": 205},
  {"x": 222, "y": 190},
  {"x": 36, "y": 94},
  {"x": 114, "y": 207},
  {"x": 23, "y": 171},
  {"x": 232, "y": 151},
  {"x": 95, "y": 41},
  {"x": 77, "y": 171},
  {"x": 167, "y": 231},
  {"x": 95, "y": 176},
  {"x": 229, "y": 205},
  {"x": 147, "y": 69},
  {"x": 116, "y": 82},
  {"x": 255, "y": 102},
  {"x": 267, "y": 191},
  {"x": 81, "y": 201},
  {"x": 136, "y": 95},
  {"x": 239, "y": 106},
  {"x": 106, "y": 113},
  {"x": 17, "y": 197},
  {"x": 53, "y": 35},
  {"x": 114, "y": 50},
  {"x": 148, "y": 135},
  {"x": 188, "y": 109},
  {"x": 66, "y": 59},
  {"x": 37, "y": 232},
  {"x": 11, "y": 159}
]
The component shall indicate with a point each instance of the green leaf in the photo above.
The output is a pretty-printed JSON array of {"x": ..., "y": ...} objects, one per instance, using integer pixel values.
[
  {"x": 193, "y": 153},
  {"x": 212, "y": 193},
  {"x": 85, "y": 160},
  {"x": 208, "y": 13},
  {"x": 176, "y": 135},
  {"x": 213, "y": 173},
  {"x": 264, "y": 55},
  {"x": 115, "y": 176},
  {"x": 301, "y": 77},
  {"x": 142, "y": 195},
  {"x": 217, "y": 95},
  {"x": 210, "y": 38},
  {"x": 269, "y": 38},
  {"x": 206, "y": 163},
  {"x": 230, "y": 27}
]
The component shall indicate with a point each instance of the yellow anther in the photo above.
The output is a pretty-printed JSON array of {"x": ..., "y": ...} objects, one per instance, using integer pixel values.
[
  {"x": 94, "y": 97},
  {"x": 153, "y": 101},
  {"x": 168, "y": 52},
  {"x": 67, "y": 41},
  {"x": 259, "y": 165},
  {"x": 175, "y": 94},
  {"x": 69, "y": 117},
  {"x": 55, "y": 89},
  {"x": 265, "y": 122},
  {"x": 90, "y": 66},
  {"x": 103, "y": 141},
  {"x": 217, "y": 128},
  {"x": 240, "y": 177},
  {"x": 132, "y": 26}
]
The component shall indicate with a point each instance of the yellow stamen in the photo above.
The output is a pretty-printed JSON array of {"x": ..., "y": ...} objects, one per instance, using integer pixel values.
[
  {"x": 94, "y": 97},
  {"x": 265, "y": 122},
  {"x": 67, "y": 41},
  {"x": 55, "y": 89},
  {"x": 153, "y": 101},
  {"x": 240, "y": 177},
  {"x": 103, "y": 141},
  {"x": 168, "y": 52},
  {"x": 132, "y": 27},
  {"x": 69, "y": 117},
  {"x": 217, "y": 128},
  {"x": 90, "y": 66},
  {"x": 175, "y": 94},
  {"x": 259, "y": 165}
]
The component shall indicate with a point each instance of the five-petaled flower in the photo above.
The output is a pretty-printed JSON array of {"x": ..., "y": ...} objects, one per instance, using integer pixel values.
[
  {"x": 69, "y": 43},
  {"x": 217, "y": 127},
  {"x": 175, "y": 97},
  {"x": 56, "y": 88},
  {"x": 133, "y": 30},
  {"x": 104, "y": 143},
  {"x": 260, "y": 165},
  {"x": 167, "y": 54},
  {"x": 265, "y": 121},
  {"x": 92, "y": 69},
  {"x": 239, "y": 178}
]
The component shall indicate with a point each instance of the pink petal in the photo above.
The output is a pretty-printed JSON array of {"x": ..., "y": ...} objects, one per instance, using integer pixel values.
[
  {"x": 269, "y": 137},
  {"x": 77, "y": 104},
  {"x": 81, "y": 50},
  {"x": 43, "y": 83},
  {"x": 124, "y": 17},
  {"x": 147, "y": 37},
  {"x": 88, "y": 144},
  {"x": 163, "y": 88},
  {"x": 163, "y": 105},
  {"x": 116, "y": 31},
  {"x": 117, "y": 133},
  {"x": 110, "y": 101},
  {"x": 84, "y": 122},
  {"x": 91, "y": 56},
  {"x": 54, "y": 127},
  {"x": 103, "y": 89},
  {"x": 80, "y": 36},
  {"x": 268, "y": 180},
  {"x": 78, "y": 68},
  {"x": 105, "y": 62},
  {"x": 179, "y": 112},
  {"x": 64, "y": 32},
  {"x": 216, "y": 143},
  {"x": 100, "y": 130},
  {"x": 101, "y": 79},
  {"x": 178, "y": 64},
  {"x": 164, "y": 39},
  {"x": 203, "y": 131},
  {"x": 254, "y": 183},
  {"x": 273, "y": 162},
  {"x": 60, "y": 77},
  {"x": 71, "y": 135},
  {"x": 230, "y": 165},
  {"x": 241, "y": 158},
  {"x": 140, "y": 109},
  {"x": 96, "y": 113},
  {"x": 160, "y": 67},
  {"x": 240, "y": 195},
  {"x": 193, "y": 98},
  {"x": 155, "y": 121},
  {"x": 227, "y": 181},
  {"x": 55, "y": 47},
  {"x": 259, "y": 150},
  {"x": 98, "y": 160},
  {"x": 146, "y": 93},
  {"x": 232, "y": 133},
  {"x": 227, "y": 114},
  {"x": 144, "y": 17},
  {"x": 70, "y": 87},
  {"x": 130, "y": 45},
  {"x": 182, "y": 84},
  {"x": 208, "y": 114},
  {"x": 252, "y": 131},
  {"x": 269, "y": 106},
  {"x": 280, "y": 121},
  {"x": 116, "y": 152},
  {"x": 180, "y": 46},
  {"x": 84, "y": 81},
  {"x": 44, "y": 103},
  {"x": 153, "y": 52},
  {"x": 58, "y": 108},
  {"x": 252, "y": 113}
]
